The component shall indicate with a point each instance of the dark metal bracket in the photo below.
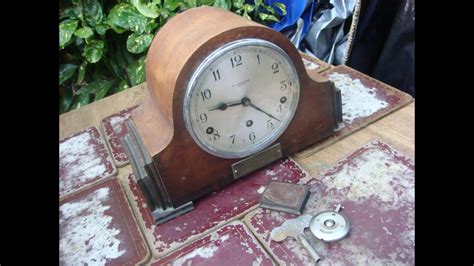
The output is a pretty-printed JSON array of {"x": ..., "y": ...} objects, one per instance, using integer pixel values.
[{"x": 149, "y": 180}]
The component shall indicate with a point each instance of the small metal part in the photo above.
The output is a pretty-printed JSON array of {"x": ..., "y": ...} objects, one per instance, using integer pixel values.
[
  {"x": 330, "y": 226},
  {"x": 143, "y": 180},
  {"x": 256, "y": 161},
  {"x": 305, "y": 243},
  {"x": 337, "y": 107},
  {"x": 294, "y": 228},
  {"x": 329, "y": 223}
]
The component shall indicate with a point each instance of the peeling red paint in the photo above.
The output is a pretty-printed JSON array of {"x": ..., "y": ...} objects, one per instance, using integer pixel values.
[
  {"x": 83, "y": 160},
  {"x": 213, "y": 210},
  {"x": 97, "y": 227},
  {"x": 114, "y": 129},
  {"x": 233, "y": 244}
]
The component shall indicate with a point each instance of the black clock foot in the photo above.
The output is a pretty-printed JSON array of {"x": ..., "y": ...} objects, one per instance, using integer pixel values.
[{"x": 160, "y": 216}]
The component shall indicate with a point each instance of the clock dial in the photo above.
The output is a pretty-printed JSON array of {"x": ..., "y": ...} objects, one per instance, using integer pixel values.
[{"x": 241, "y": 98}]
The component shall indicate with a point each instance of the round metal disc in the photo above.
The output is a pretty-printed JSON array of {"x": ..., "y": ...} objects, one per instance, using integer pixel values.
[{"x": 330, "y": 226}]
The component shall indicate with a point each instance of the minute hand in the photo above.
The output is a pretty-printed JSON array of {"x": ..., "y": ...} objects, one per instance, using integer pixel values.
[{"x": 264, "y": 112}]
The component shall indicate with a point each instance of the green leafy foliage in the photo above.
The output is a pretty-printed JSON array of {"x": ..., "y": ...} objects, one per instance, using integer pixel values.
[
  {"x": 101, "y": 28},
  {"x": 137, "y": 43},
  {"x": 66, "y": 30},
  {"x": 84, "y": 33},
  {"x": 103, "y": 44},
  {"x": 268, "y": 17},
  {"x": 65, "y": 72},
  {"x": 94, "y": 50},
  {"x": 99, "y": 88},
  {"x": 82, "y": 72},
  {"x": 149, "y": 10},
  {"x": 226, "y": 4},
  {"x": 92, "y": 12},
  {"x": 136, "y": 71},
  {"x": 125, "y": 16},
  {"x": 66, "y": 100}
]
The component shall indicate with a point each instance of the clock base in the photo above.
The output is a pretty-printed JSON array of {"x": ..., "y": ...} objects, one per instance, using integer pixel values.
[
  {"x": 148, "y": 179},
  {"x": 160, "y": 216}
]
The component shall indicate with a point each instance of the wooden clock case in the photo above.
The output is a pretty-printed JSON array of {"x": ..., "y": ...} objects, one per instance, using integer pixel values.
[{"x": 171, "y": 166}]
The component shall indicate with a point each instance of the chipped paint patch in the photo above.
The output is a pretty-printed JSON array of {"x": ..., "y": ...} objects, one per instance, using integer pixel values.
[
  {"x": 309, "y": 65},
  {"x": 87, "y": 236},
  {"x": 358, "y": 255},
  {"x": 248, "y": 248},
  {"x": 83, "y": 159},
  {"x": 386, "y": 230},
  {"x": 114, "y": 128},
  {"x": 73, "y": 150},
  {"x": 117, "y": 122},
  {"x": 374, "y": 173},
  {"x": 203, "y": 252},
  {"x": 232, "y": 244},
  {"x": 357, "y": 99}
]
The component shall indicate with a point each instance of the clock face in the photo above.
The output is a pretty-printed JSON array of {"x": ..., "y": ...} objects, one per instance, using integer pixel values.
[{"x": 241, "y": 98}]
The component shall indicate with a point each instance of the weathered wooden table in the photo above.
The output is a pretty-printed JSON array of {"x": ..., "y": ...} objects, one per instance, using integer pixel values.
[{"x": 385, "y": 192}]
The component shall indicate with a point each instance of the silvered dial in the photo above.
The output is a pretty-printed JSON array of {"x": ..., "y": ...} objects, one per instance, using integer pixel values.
[{"x": 241, "y": 98}]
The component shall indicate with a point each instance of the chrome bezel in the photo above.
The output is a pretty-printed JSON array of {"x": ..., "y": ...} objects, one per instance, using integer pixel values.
[{"x": 199, "y": 72}]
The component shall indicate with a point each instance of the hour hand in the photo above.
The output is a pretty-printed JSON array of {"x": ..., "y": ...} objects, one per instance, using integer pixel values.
[{"x": 222, "y": 106}]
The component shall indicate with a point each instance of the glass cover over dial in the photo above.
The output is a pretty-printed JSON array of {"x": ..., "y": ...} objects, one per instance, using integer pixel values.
[{"x": 241, "y": 98}]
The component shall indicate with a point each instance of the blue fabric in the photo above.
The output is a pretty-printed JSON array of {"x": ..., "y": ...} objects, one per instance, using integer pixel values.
[
  {"x": 294, "y": 10},
  {"x": 307, "y": 18},
  {"x": 326, "y": 37}
]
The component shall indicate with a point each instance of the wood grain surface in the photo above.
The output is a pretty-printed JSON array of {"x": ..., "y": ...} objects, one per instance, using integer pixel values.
[{"x": 171, "y": 62}]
